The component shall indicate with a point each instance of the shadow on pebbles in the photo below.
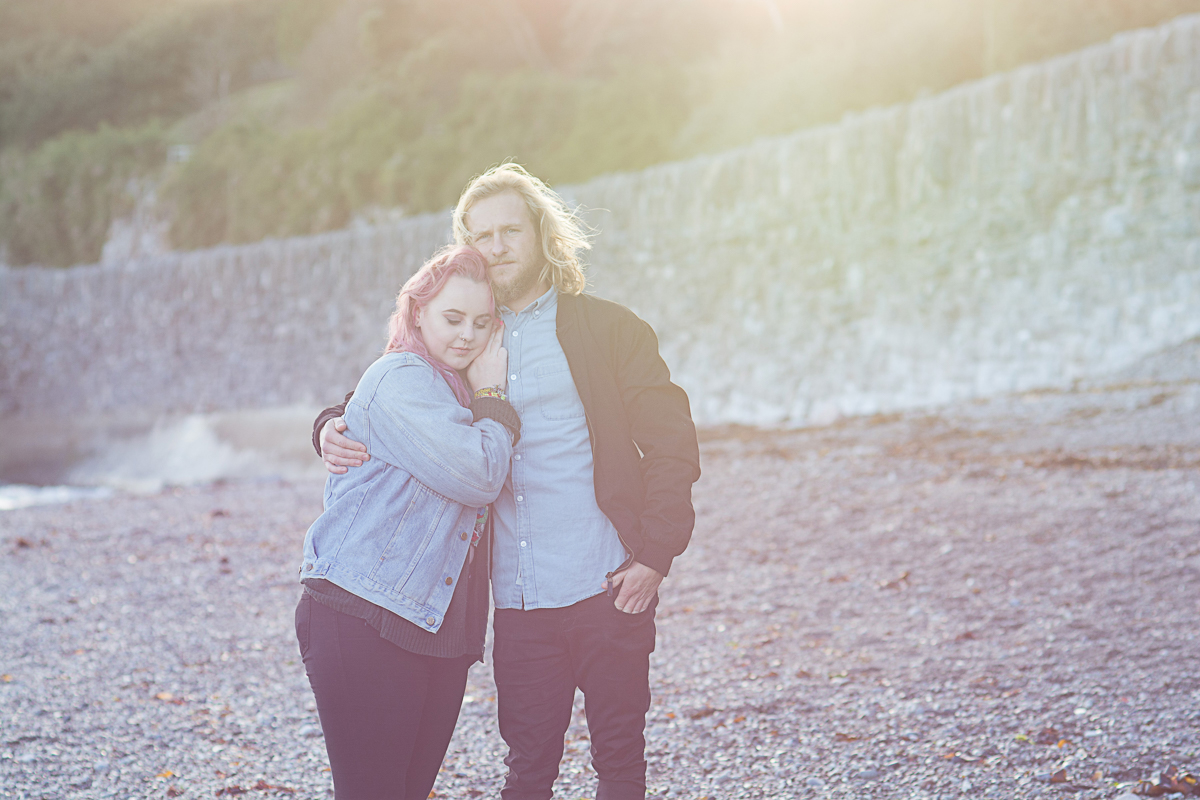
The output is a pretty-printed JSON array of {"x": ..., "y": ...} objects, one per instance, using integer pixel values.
[{"x": 912, "y": 606}]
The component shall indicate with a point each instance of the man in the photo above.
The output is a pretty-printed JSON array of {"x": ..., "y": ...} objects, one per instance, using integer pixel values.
[{"x": 598, "y": 500}]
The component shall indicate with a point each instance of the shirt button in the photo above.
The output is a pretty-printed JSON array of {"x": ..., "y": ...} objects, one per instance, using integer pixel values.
[
  {"x": 512, "y": 377},
  {"x": 524, "y": 544},
  {"x": 430, "y": 620},
  {"x": 520, "y": 499},
  {"x": 449, "y": 581},
  {"x": 463, "y": 536},
  {"x": 516, "y": 333},
  {"x": 517, "y": 457}
]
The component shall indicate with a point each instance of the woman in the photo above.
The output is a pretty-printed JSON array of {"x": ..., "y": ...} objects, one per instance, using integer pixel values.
[{"x": 395, "y": 570}]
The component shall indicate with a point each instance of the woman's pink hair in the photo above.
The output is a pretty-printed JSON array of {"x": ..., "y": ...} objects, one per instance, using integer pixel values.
[{"x": 403, "y": 334}]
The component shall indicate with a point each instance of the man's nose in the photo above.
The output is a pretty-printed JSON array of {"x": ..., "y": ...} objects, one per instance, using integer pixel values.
[{"x": 498, "y": 245}]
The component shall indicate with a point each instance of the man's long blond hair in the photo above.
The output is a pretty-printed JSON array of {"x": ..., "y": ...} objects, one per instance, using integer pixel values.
[{"x": 563, "y": 234}]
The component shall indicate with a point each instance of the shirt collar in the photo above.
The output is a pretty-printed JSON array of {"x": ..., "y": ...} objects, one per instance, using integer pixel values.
[{"x": 547, "y": 301}]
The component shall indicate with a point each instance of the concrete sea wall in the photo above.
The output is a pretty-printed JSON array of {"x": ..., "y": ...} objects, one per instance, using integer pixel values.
[{"x": 1023, "y": 231}]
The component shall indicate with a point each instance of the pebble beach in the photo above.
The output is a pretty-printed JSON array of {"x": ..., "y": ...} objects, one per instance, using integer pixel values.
[{"x": 997, "y": 599}]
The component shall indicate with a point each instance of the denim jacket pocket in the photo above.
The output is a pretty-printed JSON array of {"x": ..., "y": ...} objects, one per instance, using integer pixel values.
[{"x": 410, "y": 539}]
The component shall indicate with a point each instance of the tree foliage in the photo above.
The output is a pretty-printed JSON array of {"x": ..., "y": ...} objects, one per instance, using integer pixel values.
[
  {"x": 57, "y": 205},
  {"x": 166, "y": 66},
  {"x": 300, "y": 114}
]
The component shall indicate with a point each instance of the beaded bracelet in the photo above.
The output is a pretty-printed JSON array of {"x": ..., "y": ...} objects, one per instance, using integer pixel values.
[{"x": 491, "y": 391}]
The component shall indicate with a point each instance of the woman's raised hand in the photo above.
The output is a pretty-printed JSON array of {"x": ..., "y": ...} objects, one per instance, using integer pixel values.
[{"x": 490, "y": 368}]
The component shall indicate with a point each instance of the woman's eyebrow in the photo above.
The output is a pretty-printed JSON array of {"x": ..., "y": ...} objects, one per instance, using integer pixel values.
[{"x": 454, "y": 311}]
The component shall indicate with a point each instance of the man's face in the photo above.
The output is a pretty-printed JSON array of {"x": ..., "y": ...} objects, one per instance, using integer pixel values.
[{"x": 502, "y": 230}]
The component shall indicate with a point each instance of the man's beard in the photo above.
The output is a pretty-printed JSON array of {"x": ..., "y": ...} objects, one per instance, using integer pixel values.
[{"x": 516, "y": 288}]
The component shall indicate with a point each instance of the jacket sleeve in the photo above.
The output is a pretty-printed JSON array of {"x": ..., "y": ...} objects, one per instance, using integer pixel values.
[
  {"x": 661, "y": 426},
  {"x": 414, "y": 423},
  {"x": 329, "y": 413}
]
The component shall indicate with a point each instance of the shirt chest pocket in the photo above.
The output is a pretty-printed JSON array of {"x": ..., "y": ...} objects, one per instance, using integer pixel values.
[{"x": 557, "y": 395}]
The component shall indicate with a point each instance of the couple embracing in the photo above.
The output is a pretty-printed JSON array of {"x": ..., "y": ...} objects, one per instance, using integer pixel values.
[{"x": 515, "y": 432}]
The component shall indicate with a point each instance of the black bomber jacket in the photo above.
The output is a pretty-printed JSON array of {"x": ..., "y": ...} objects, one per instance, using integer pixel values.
[{"x": 644, "y": 447}]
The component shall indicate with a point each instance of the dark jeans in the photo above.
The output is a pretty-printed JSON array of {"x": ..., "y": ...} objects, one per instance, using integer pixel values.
[
  {"x": 541, "y": 656},
  {"x": 387, "y": 714}
]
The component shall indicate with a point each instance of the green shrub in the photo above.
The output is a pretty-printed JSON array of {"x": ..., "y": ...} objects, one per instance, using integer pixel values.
[
  {"x": 397, "y": 103},
  {"x": 167, "y": 66},
  {"x": 249, "y": 180},
  {"x": 58, "y": 201}
]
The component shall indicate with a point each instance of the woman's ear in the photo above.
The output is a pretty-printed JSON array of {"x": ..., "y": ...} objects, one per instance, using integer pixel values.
[{"x": 417, "y": 317}]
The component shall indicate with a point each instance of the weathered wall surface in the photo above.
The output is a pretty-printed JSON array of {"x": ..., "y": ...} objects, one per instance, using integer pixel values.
[
  {"x": 268, "y": 324},
  {"x": 1022, "y": 231}
]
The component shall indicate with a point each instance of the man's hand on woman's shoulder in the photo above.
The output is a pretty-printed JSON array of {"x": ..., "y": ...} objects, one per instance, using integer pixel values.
[{"x": 340, "y": 452}]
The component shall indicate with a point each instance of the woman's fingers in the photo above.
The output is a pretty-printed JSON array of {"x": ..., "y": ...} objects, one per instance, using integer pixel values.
[{"x": 491, "y": 366}]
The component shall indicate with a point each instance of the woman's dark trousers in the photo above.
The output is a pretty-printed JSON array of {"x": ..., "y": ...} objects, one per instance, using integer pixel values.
[
  {"x": 387, "y": 714},
  {"x": 541, "y": 656}
]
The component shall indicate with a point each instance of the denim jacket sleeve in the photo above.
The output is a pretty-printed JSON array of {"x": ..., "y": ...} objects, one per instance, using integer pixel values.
[{"x": 408, "y": 417}]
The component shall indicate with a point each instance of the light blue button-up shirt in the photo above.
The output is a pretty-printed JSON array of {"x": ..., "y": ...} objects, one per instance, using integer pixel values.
[{"x": 553, "y": 544}]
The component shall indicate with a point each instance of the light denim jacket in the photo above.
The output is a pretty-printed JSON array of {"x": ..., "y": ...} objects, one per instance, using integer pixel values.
[{"x": 396, "y": 530}]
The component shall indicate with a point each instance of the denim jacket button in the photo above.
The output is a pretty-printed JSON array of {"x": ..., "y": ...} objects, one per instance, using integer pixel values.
[
  {"x": 308, "y": 567},
  {"x": 430, "y": 620},
  {"x": 463, "y": 536},
  {"x": 449, "y": 581}
]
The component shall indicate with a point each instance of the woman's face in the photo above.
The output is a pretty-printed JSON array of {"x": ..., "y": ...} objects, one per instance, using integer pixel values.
[{"x": 457, "y": 322}]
